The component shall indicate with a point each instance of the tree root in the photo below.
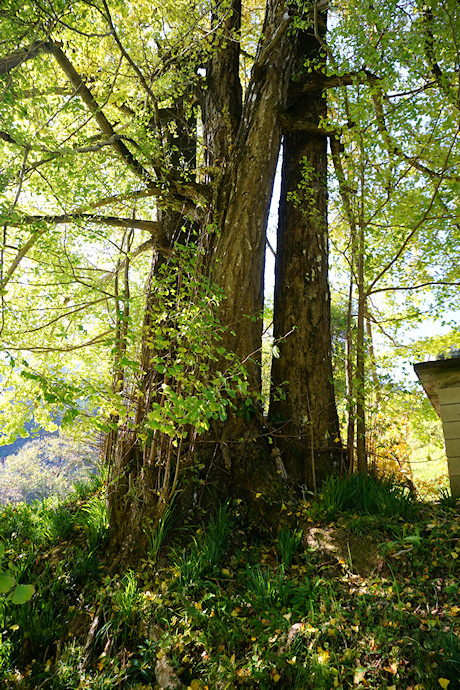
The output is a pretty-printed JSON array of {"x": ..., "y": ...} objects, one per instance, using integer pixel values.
[{"x": 90, "y": 640}]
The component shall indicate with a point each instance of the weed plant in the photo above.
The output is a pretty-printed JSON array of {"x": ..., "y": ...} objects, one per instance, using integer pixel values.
[
  {"x": 58, "y": 522},
  {"x": 447, "y": 499},
  {"x": 269, "y": 589},
  {"x": 95, "y": 520},
  {"x": 83, "y": 490},
  {"x": 288, "y": 545},
  {"x": 232, "y": 611},
  {"x": 447, "y": 651},
  {"x": 45, "y": 521},
  {"x": 84, "y": 567},
  {"x": 364, "y": 493},
  {"x": 207, "y": 550},
  {"x": 19, "y": 521},
  {"x": 157, "y": 535},
  {"x": 122, "y": 609}
]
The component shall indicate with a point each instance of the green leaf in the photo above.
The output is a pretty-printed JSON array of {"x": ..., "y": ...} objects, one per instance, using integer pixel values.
[
  {"x": 6, "y": 582},
  {"x": 22, "y": 594}
]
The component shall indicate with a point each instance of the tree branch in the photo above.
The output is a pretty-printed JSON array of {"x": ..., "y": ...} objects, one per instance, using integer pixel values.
[
  {"x": 67, "y": 313},
  {"x": 345, "y": 194},
  {"x": 18, "y": 57},
  {"x": 104, "y": 125},
  {"x": 145, "y": 246},
  {"x": 158, "y": 241},
  {"x": 429, "y": 283},
  {"x": 154, "y": 228},
  {"x": 189, "y": 190},
  {"x": 396, "y": 150},
  {"x": 187, "y": 197},
  {"x": 3, "y": 279},
  {"x": 115, "y": 199},
  {"x": 414, "y": 230},
  {"x": 19, "y": 256},
  {"x": 441, "y": 80},
  {"x": 9, "y": 139},
  {"x": 135, "y": 67},
  {"x": 350, "y": 79},
  {"x": 32, "y": 348}
]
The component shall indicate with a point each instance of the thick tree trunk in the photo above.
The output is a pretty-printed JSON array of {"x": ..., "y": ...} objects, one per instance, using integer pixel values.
[
  {"x": 141, "y": 477},
  {"x": 361, "y": 452},
  {"x": 237, "y": 262},
  {"x": 143, "y": 473},
  {"x": 222, "y": 99},
  {"x": 245, "y": 192},
  {"x": 306, "y": 412}
]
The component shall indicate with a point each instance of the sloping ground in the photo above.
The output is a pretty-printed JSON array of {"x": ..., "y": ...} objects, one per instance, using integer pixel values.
[
  {"x": 358, "y": 602},
  {"x": 358, "y": 553}
]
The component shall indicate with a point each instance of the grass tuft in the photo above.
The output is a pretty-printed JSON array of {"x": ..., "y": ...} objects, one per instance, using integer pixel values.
[
  {"x": 288, "y": 545},
  {"x": 364, "y": 493},
  {"x": 205, "y": 555}
]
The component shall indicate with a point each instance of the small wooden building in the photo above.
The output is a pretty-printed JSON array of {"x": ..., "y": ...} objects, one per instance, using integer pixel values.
[{"x": 441, "y": 381}]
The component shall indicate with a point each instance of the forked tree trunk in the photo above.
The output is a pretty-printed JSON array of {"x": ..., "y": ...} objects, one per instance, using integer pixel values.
[
  {"x": 245, "y": 192},
  {"x": 241, "y": 465},
  {"x": 305, "y": 412},
  {"x": 238, "y": 259}
]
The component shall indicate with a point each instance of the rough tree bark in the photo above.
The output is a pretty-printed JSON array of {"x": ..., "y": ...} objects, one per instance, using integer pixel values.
[
  {"x": 143, "y": 476},
  {"x": 222, "y": 99},
  {"x": 246, "y": 160},
  {"x": 245, "y": 191},
  {"x": 238, "y": 255},
  {"x": 306, "y": 413}
]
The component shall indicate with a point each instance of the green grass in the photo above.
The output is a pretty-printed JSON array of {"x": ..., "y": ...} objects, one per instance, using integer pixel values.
[
  {"x": 223, "y": 608},
  {"x": 361, "y": 493},
  {"x": 289, "y": 542},
  {"x": 429, "y": 470},
  {"x": 94, "y": 518},
  {"x": 205, "y": 552}
]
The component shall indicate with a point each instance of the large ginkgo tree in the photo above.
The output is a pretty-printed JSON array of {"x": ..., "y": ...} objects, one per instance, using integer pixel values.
[{"x": 139, "y": 144}]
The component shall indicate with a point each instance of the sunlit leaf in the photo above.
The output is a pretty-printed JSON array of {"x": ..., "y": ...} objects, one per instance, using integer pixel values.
[
  {"x": 22, "y": 594},
  {"x": 6, "y": 582}
]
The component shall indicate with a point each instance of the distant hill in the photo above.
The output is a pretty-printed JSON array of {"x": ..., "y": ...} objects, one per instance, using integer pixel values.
[
  {"x": 46, "y": 466},
  {"x": 34, "y": 433}
]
